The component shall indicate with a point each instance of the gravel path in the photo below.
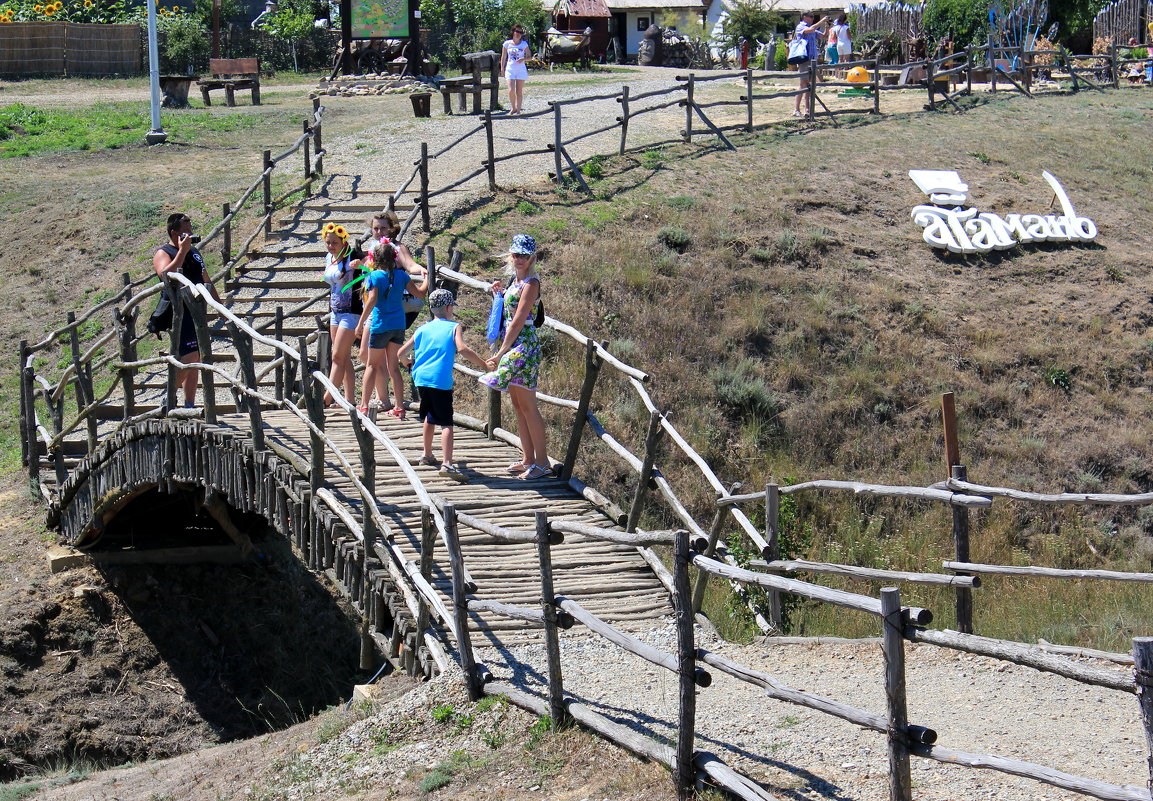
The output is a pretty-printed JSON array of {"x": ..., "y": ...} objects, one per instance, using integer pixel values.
[{"x": 975, "y": 704}]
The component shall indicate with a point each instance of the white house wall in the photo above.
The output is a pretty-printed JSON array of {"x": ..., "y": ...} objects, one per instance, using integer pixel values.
[{"x": 633, "y": 40}]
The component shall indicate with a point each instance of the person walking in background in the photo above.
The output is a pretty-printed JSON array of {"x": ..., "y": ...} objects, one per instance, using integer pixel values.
[
  {"x": 832, "y": 54},
  {"x": 180, "y": 256},
  {"x": 434, "y": 347},
  {"x": 342, "y": 268},
  {"x": 513, "y": 55},
  {"x": 810, "y": 31},
  {"x": 381, "y": 327},
  {"x": 844, "y": 40},
  {"x": 515, "y": 367}
]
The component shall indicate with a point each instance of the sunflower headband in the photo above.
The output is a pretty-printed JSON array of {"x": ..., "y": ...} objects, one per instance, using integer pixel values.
[{"x": 339, "y": 230}]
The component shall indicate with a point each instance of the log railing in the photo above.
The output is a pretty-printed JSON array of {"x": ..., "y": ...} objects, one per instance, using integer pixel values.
[{"x": 77, "y": 376}]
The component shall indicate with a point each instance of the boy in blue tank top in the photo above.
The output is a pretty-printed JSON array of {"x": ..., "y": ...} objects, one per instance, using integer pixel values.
[{"x": 434, "y": 347}]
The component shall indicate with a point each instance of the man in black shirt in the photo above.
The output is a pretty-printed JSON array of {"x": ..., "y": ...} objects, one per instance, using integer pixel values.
[{"x": 180, "y": 256}]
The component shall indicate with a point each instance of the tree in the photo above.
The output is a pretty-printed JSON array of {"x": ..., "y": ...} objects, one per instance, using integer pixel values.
[{"x": 748, "y": 20}]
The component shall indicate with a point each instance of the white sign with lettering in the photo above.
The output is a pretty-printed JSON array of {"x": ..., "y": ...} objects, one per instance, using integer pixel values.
[{"x": 965, "y": 230}]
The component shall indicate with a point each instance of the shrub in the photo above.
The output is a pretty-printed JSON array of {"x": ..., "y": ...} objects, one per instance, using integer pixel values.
[
  {"x": 743, "y": 392},
  {"x": 748, "y": 20},
  {"x": 675, "y": 238},
  {"x": 967, "y": 21}
]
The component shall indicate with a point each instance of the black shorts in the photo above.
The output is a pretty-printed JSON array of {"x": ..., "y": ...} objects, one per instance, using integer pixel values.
[
  {"x": 188, "y": 341},
  {"x": 435, "y": 406}
]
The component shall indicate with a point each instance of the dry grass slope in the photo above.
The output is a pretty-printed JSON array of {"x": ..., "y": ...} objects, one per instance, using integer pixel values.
[{"x": 797, "y": 327}]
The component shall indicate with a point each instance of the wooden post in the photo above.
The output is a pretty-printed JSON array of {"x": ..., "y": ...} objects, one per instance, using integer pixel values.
[
  {"x": 315, "y": 408},
  {"x": 226, "y": 235},
  {"x": 367, "y": 444},
  {"x": 992, "y": 65},
  {"x": 1143, "y": 668},
  {"x": 624, "y": 118},
  {"x": 126, "y": 328},
  {"x": 686, "y": 669},
  {"x": 307, "y": 159},
  {"x": 85, "y": 393},
  {"x": 430, "y": 265},
  {"x": 1027, "y": 68},
  {"x": 427, "y": 544},
  {"x": 267, "y": 183},
  {"x": 317, "y": 147},
  {"x": 278, "y": 332},
  {"x": 460, "y": 604},
  {"x": 324, "y": 351},
  {"x": 1114, "y": 66},
  {"x": 773, "y": 551},
  {"x": 949, "y": 423},
  {"x": 652, "y": 439},
  {"x": 689, "y": 105},
  {"x": 425, "y": 218},
  {"x": 170, "y": 288},
  {"x": 877, "y": 86},
  {"x": 243, "y": 344},
  {"x": 551, "y": 629},
  {"x": 493, "y": 413},
  {"x": 556, "y": 143},
  {"x": 893, "y": 646},
  {"x": 961, "y": 551},
  {"x": 811, "y": 99},
  {"x": 28, "y": 420},
  {"x": 749, "y": 99},
  {"x": 491, "y": 163},
  {"x": 969, "y": 71},
  {"x": 714, "y": 534},
  {"x": 580, "y": 417},
  {"x": 198, "y": 308},
  {"x": 929, "y": 70}
]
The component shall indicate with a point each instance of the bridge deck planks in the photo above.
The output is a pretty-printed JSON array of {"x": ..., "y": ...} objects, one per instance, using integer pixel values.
[{"x": 610, "y": 580}]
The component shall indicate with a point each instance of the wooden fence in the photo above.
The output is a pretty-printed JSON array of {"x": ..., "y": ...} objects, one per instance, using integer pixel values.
[
  {"x": 1122, "y": 20},
  {"x": 368, "y": 555},
  {"x": 72, "y": 49},
  {"x": 901, "y": 19}
]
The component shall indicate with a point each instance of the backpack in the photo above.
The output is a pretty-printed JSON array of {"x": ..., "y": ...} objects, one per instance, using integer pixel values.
[
  {"x": 161, "y": 319},
  {"x": 798, "y": 50}
]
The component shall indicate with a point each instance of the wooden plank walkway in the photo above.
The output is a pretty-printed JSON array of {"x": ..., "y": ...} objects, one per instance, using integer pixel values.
[{"x": 612, "y": 581}]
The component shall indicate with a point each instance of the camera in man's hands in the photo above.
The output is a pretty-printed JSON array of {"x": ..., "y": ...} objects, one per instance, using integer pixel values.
[{"x": 194, "y": 239}]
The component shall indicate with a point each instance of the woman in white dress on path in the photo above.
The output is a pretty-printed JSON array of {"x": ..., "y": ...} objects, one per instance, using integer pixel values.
[{"x": 513, "y": 55}]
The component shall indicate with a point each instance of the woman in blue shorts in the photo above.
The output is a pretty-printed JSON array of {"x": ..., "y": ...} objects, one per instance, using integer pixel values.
[
  {"x": 342, "y": 268},
  {"x": 381, "y": 324}
]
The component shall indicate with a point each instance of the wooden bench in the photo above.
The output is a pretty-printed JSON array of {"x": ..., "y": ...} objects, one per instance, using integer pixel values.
[
  {"x": 478, "y": 64},
  {"x": 231, "y": 74}
]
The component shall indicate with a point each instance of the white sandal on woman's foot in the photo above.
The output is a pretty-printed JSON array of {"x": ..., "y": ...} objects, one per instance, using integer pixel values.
[
  {"x": 516, "y": 468},
  {"x": 534, "y": 472}
]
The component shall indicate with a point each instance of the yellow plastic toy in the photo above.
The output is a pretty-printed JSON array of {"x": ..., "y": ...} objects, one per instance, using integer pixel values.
[{"x": 858, "y": 75}]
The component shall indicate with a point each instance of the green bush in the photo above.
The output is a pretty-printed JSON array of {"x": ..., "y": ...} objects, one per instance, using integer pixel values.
[
  {"x": 748, "y": 20},
  {"x": 743, "y": 392},
  {"x": 470, "y": 26},
  {"x": 675, "y": 238},
  {"x": 967, "y": 21},
  {"x": 187, "y": 43}
]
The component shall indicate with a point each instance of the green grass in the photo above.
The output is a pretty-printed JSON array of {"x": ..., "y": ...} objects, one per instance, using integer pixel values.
[{"x": 29, "y": 131}]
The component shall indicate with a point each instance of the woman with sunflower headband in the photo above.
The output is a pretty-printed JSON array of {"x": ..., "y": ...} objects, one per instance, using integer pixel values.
[{"x": 342, "y": 269}]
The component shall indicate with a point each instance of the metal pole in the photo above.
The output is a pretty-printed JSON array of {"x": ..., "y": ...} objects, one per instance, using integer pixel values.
[{"x": 157, "y": 135}]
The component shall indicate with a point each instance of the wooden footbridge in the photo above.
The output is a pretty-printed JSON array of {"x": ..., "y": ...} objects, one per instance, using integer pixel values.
[{"x": 436, "y": 567}]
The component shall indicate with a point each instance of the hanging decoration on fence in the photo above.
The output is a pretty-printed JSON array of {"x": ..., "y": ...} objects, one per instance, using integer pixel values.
[{"x": 965, "y": 230}]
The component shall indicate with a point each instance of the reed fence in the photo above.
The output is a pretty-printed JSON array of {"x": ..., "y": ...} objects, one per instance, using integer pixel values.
[
  {"x": 1122, "y": 20},
  {"x": 73, "y": 49}
]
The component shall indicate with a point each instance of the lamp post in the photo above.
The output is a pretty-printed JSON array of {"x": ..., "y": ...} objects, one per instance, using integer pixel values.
[{"x": 157, "y": 135}]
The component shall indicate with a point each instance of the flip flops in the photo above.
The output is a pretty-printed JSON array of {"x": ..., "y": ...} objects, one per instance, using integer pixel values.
[
  {"x": 534, "y": 472},
  {"x": 516, "y": 468}
]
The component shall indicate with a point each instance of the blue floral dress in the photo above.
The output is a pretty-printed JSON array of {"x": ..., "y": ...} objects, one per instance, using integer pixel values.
[{"x": 521, "y": 365}]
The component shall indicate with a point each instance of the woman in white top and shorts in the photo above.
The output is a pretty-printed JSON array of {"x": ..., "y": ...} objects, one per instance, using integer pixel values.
[{"x": 513, "y": 55}]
